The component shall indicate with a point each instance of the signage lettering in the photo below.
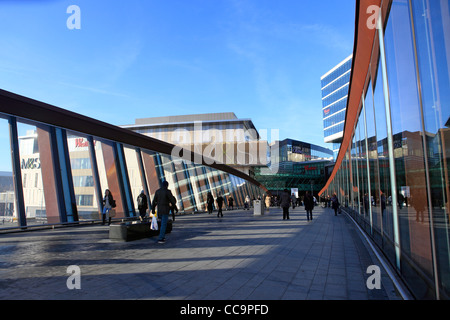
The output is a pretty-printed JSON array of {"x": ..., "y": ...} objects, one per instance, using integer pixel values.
[{"x": 30, "y": 163}]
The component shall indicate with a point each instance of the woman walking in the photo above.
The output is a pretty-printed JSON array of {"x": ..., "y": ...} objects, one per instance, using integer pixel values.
[
  {"x": 267, "y": 201},
  {"x": 335, "y": 203},
  {"x": 108, "y": 204}
]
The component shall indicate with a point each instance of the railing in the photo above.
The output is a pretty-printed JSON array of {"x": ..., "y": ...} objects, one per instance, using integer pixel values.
[{"x": 60, "y": 145}]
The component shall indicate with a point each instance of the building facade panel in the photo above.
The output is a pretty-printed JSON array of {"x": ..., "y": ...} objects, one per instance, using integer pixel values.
[{"x": 398, "y": 185}]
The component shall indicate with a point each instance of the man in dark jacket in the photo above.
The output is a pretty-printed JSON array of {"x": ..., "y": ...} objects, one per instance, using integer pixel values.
[
  {"x": 285, "y": 201},
  {"x": 142, "y": 205},
  {"x": 219, "y": 205},
  {"x": 162, "y": 198},
  {"x": 309, "y": 205}
]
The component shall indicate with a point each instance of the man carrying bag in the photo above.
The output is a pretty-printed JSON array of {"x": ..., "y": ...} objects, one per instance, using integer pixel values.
[{"x": 163, "y": 197}]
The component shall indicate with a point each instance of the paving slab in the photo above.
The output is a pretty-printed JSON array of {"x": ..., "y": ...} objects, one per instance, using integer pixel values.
[{"x": 239, "y": 257}]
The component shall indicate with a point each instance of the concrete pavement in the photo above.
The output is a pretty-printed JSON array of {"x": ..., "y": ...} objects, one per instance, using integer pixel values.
[{"x": 237, "y": 257}]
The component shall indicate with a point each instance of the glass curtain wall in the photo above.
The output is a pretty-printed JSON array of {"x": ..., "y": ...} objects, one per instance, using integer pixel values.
[
  {"x": 30, "y": 143},
  {"x": 432, "y": 38},
  {"x": 83, "y": 177},
  {"x": 7, "y": 191},
  {"x": 404, "y": 154},
  {"x": 61, "y": 177}
]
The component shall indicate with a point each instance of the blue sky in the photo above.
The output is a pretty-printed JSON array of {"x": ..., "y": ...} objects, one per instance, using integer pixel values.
[{"x": 261, "y": 59}]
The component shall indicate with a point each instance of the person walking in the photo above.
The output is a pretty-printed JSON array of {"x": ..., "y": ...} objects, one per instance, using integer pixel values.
[
  {"x": 309, "y": 205},
  {"x": 173, "y": 209},
  {"x": 230, "y": 202},
  {"x": 142, "y": 205},
  {"x": 163, "y": 198},
  {"x": 335, "y": 203},
  {"x": 219, "y": 205},
  {"x": 209, "y": 202},
  {"x": 247, "y": 203},
  {"x": 285, "y": 201},
  {"x": 267, "y": 201},
  {"x": 293, "y": 201},
  {"x": 108, "y": 204}
]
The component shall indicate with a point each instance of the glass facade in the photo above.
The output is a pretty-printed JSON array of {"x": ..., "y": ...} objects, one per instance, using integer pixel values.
[
  {"x": 394, "y": 177},
  {"x": 294, "y": 151},
  {"x": 58, "y": 175},
  {"x": 296, "y": 165}
]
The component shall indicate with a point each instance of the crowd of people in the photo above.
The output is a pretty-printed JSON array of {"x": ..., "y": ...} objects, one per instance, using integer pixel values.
[{"x": 164, "y": 205}]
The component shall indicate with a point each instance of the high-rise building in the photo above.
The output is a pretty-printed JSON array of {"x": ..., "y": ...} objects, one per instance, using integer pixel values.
[{"x": 335, "y": 84}]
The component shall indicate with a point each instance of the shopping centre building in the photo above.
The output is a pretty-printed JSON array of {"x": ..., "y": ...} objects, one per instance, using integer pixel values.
[
  {"x": 392, "y": 171},
  {"x": 297, "y": 166},
  {"x": 222, "y": 137},
  {"x": 63, "y": 162}
]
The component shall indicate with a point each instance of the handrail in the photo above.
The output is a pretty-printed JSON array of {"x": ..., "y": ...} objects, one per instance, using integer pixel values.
[{"x": 27, "y": 108}]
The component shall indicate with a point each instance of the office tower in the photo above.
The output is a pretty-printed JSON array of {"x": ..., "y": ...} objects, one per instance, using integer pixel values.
[{"x": 335, "y": 84}]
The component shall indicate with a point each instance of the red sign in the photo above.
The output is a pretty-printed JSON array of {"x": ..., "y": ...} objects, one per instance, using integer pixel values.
[{"x": 81, "y": 143}]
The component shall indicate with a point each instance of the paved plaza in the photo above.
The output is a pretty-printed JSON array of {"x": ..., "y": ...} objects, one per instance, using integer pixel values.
[{"x": 237, "y": 257}]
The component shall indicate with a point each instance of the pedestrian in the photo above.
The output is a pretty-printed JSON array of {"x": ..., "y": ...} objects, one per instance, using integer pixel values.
[
  {"x": 219, "y": 205},
  {"x": 335, "y": 203},
  {"x": 163, "y": 197},
  {"x": 172, "y": 210},
  {"x": 267, "y": 201},
  {"x": 366, "y": 203},
  {"x": 247, "y": 203},
  {"x": 230, "y": 202},
  {"x": 285, "y": 200},
  {"x": 309, "y": 205},
  {"x": 142, "y": 205},
  {"x": 401, "y": 199},
  {"x": 293, "y": 201},
  {"x": 108, "y": 204},
  {"x": 209, "y": 202}
]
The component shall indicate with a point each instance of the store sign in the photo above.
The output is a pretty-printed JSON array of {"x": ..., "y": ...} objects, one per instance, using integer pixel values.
[
  {"x": 300, "y": 150},
  {"x": 81, "y": 143},
  {"x": 30, "y": 163}
]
